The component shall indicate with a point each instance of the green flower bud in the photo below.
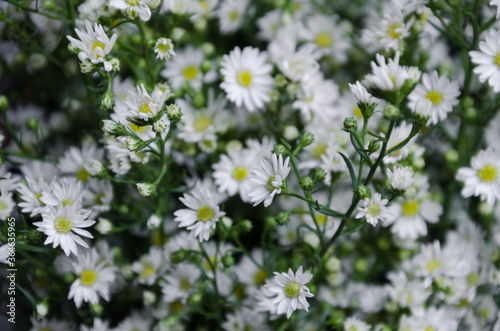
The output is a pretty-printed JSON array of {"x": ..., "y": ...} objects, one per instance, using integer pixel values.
[
  {"x": 73, "y": 49},
  {"x": 319, "y": 175},
  {"x": 134, "y": 144},
  {"x": 363, "y": 192},
  {"x": 275, "y": 95},
  {"x": 280, "y": 150},
  {"x": 350, "y": 123},
  {"x": 227, "y": 261},
  {"x": 361, "y": 265},
  {"x": 373, "y": 146},
  {"x": 32, "y": 124},
  {"x": 451, "y": 156},
  {"x": 306, "y": 139},
  {"x": 146, "y": 189},
  {"x": 195, "y": 298},
  {"x": 280, "y": 80},
  {"x": 4, "y": 102},
  {"x": 106, "y": 101},
  {"x": 391, "y": 112},
  {"x": 306, "y": 183},
  {"x": 199, "y": 100},
  {"x": 245, "y": 226},
  {"x": 69, "y": 277},
  {"x": 174, "y": 113},
  {"x": 115, "y": 64},
  {"x": 283, "y": 218},
  {"x": 178, "y": 256},
  {"x": 96, "y": 308},
  {"x": 208, "y": 49},
  {"x": 206, "y": 65}
]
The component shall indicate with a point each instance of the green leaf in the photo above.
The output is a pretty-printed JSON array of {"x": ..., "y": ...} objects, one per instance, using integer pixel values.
[
  {"x": 354, "y": 228},
  {"x": 361, "y": 151},
  {"x": 29, "y": 296},
  {"x": 351, "y": 170}
]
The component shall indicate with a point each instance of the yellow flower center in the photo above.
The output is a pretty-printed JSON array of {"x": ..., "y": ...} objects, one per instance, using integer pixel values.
[
  {"x": 147, "y": 271},
  {"x": 497, "y": 59},
  {"x": 244, "y": 78},
  {"x": 38, "y": 196},
  {"x": 234, "y": 15},
  {"x": 473, "y": 279},
  {"x": 374, "y": 209},
  {"x": 213, "y": 262},
  {"x": 321, "y": 219},
  {"x": 290, "y": 236},
  {"x": 240, "y": 173},
  {"x": 260, "y": 277},
  {"x": 269, "y": 183},
  {"x": 164, "y": 47},
  {"x": 204, "y": 6},
  {"x": 357, "y": 112},
  {"x": 205, "y": 213},
  {"x": 429, "y": 328},
  {"x": 239, "y": 292},
  {"x": 433, "y": 265},
  {"x": 485, "y": 313},
  {"x": 98, "y": 199},
  {"x": 67, "y": 201},
  {"x": 46, "y": 329},
  {"x": 488, "y": 173},
  {"x": 185, "y": 285},
  {"x": 88, "y": 277},
  {"x": 352, "y": 328},
  {"x": 202, "y": 124},
  {"x": 3, "y": 206},
  {"x": 133, "y": 2},
  {"x": 145, "y": 108},
  {"x": 410, "y": 207},
  {"x": 292, "y": 289},
  {"x": 176, "y": 306},
  {"x": 190, "y": 72},
  {"x": 62, "y": 224},
  {"x": 435, "y": 97},
  {"x": 323, "y": 39},
  {"x": 82, "y": 175},
  {"x": 392, "y": 31},
  {"x": 96, "y": 44},
  {"x": 319, "y": 150},
  {"x": 137, "y": 128}
]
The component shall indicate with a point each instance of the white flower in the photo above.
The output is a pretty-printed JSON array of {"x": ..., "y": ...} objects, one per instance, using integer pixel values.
[
  {"x": 94, "y": 279},
  {"x": 374, "y": 209},
  {"x": 133, "y": 8},
  {"x": 94, "y": 45},
  {"x": 31, "y": 194},
  {"x": 361, "y": 94},
  {"x": 291, "y": 291},
  {"x": 150, "y": 267},
  {"x": 142, "y": 105},
  {"x": 146, "y": 189},
  {"x": 442, "y": 92},
  {"x": 387, "y": 31},
  {"x": 354, "y": 324},
  {"x": 388, "y": 76},
  {"x": 185, "y": 67},
  {"x": 423, "y": 111},
  {"x": 203, "y": 212},
  {"x": 7, "y": 205},
  {"x": 65, "y": 192},
  {"x": 488, "y": 60},
  {"x": 247, "y": 77},
  {"x": 164, "y": 48},
  {"x": 496, "y": 3},
  {"x": 62, "y": 225},
  {"x": 180, "y": 283},
  {"x": 268, "y": 180},
  {"x": 482, "y": 180},
  {"x": 401, "y": 178},
  {"x": 231, "y": 15},
  {"x": 398, "y": 135},
  {"x": 74, "y": 160}
]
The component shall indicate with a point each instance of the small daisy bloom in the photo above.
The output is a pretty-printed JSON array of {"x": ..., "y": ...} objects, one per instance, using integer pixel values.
[
  {"x": 387, "y": 31},
  {"x": 31, "y": 192},
  {"x": 150, "y": 266},
  {"x": 247, "y": 77},
  {"x": 142, "y": 105},
  {"x": 361, "y": 94},
  {"x": 164, "y": 48},
  {"x": 482, "y": 180},
  {"x": 202, "y": 214},
  {"x": 94, "y": 45},
  {"x": 133, "y": 8},
  {"x": 94, "y": 279},
  {"x": 354, "y": 324},
  {"x": 180, "y": 283},
  {"x": 65, "y": 192},
  {"x": 268, "y": 180},
  {"x": 488, "y": 60},
  {"x": 401, "y": 178},
  {"x": 291, "y": 291},
  {"x": 62, "y": 225},
  {"x": 374, "y": 209},
  {"x": 74, "y": 160},
  {"x": 185, "y": 67},
  {"x": 388, "y": 76},
  {"x": 442, "y": 92},
  {"x": 231, "y": 15}
]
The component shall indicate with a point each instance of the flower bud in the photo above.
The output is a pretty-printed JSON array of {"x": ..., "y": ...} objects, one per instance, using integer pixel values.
[
  {"x": 154, "y": 222},
  {"x": 245, "y": 226},
  {"x": 73, "y": 49},
  {"x": 350, "y": 123},
  {"x": 4, "y": 102},
  {"x": 42, "y": 309},
  {"x": 306, "y": 183},
  {"x": 283, "y": 218},
  {"x": 280, "y": 149},
  {"x": 106, "y": 101},
  {"x": 280, "y": 80},
  {"x": 87, "y": 67},
  {"x": 160, "y": 126},
  {"x": 104, "y": 226},
  {"x": 174, "y": 113},
  {"x": 96, "y": 308},
  {"x": 319, "y": 175},
  {"x": 363, "y": 192},
  {"x": 373, "y": 146},
  {"x": 227, "y": 261},
  {"x": 178, "y": 256},
  {"x": 115, "y": 64},
  {"x": 291, "y": 132},
  {"x": 112, "y": 127},
  {"x": 208, "y": 49},
  {"x": 146, "y": 189},
  {"x": 451, "y": 156},
  {"x": 206, "y": 65},
  {"x": 306, "y": 139},
  {"x": 149, "y": 297},
  {"x": 391, "y": 112},
  {"x": 134, "y": 144},
  {"x": 32, "y": 124}
]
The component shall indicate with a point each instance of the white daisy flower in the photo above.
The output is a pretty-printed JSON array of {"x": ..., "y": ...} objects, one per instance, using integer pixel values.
[
  {"x": 203, "y": 212},
  {"x": 150, "y": 267},
  {"x": 269, "y": 24},
  {"x": 268, "y": 179},
  {"x": 488, "y": 59},
  {"x": 248, "y": 273},
  {"x": 142, "y": 105},
  {"x": 31, "y": 194},
  {"x": 181, "y": 282},
  {"x": 399, "y": 134},
  {"x": 65, "y": 192},
  {"x": 387, "y": 76},
  {"x": 74, "y": 160},
  {"x": 94, "y": 279},
  {"x": 354, "y": 324},
  {"x": 7, "y": 205},
  {"x": 231, "y": 15},
  {"x": 317, "y": 97},
  {"x": 62, "y": 225},
  {"x": 291, "y": 291},
  {"x": 164, "y": 49},
  {"x": 361, "y": 94},
  {"x": 439, "y": 90},
  {"x": 39, "y": 170},
  {"x": 98, "y": 195},
  {"x": 327, "y": 36},
  {"x": 387, "y": 31},
  {"x": 232, "y": 173},
  {"x": 185, "y": 67},
  {"x": 401, "y": 177},
  {"x": 98, "y": 325},
  {"x": 374, "y": 209},
  {"x": 133, "y": 8},
  {"x": 94, "y": 45},
  {"x": 247, "y": 77},
  {"x": 482, "y": 180}
]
